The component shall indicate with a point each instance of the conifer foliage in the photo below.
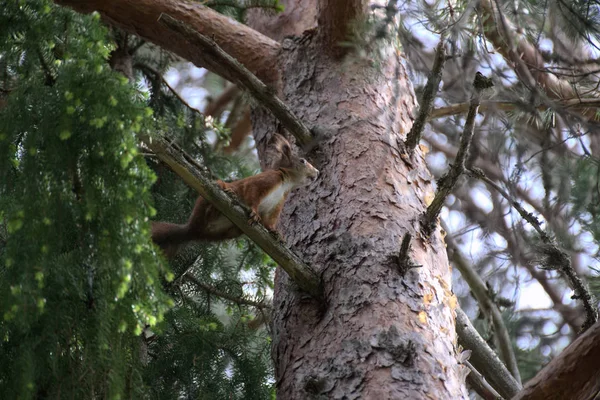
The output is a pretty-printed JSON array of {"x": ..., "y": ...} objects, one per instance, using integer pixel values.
[{"x": 80, "y": 279}]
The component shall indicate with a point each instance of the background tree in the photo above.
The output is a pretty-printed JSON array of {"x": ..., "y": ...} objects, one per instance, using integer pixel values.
[{"x": 385, "y": 329}]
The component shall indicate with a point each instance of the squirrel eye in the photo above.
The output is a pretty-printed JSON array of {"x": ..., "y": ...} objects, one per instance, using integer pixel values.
[{"x": 303, "y": 161}]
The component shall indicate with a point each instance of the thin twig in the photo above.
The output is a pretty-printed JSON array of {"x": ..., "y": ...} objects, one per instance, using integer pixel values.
[
  {"x": 212, "y": 290},
  {"x": 555, "y": 258},
  {"x": 576, "y": 103},
  {"x": 164, "y": 82},
  {"x": 196, "y": 176},
  {"x": 486, "y": 305},
  {"x": 244, "y": 78},
  {"x": 429, "y": 93},
  {"x": 484, "y": 359},
  {"x": 448, "y": 181}
]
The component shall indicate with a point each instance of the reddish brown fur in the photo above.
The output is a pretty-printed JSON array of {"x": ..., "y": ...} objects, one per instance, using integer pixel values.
[{"x": 207, "y": 223}]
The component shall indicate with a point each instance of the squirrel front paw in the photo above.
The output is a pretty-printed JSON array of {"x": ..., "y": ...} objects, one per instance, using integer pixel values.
[{"x": 254, "y": 218}]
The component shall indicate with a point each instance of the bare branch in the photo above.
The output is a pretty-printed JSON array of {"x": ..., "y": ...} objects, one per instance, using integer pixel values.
[
  {"x": 514, "y": 247},
  {"x": 484, "y": 358},
  {"x": 555, "y": 257},
  {"x": 429, "y": 93},
  {"x": 216, "y": 107},
  {"x": 486, "y": 304},
  {"x": 587, "y": 106},
  {"x": 448, "y": 181},
  {"x": 195, "y": 176},
  {"x": 239, "y": 132},
  {"x": 243, "y": 78},
  {"x": 480, "y": 385},
  {"x": 525, "y": 58}
]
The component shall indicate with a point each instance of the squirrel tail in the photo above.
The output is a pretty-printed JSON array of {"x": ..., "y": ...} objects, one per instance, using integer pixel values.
[{"x": 169, "y": 236}]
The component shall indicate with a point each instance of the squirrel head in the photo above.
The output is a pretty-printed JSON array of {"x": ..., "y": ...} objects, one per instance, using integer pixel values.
[{"x": 284, "y": 158}]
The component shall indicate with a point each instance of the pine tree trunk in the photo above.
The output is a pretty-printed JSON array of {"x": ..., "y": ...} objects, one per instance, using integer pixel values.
[{"x": 380, "y": 335}]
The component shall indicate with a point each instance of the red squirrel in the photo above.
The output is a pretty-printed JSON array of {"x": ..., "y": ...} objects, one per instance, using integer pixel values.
[{"x": 264, "y": 193}]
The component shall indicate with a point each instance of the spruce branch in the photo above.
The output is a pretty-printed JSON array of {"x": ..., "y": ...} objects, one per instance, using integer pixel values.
[
  {"x": 196, "y": 176},
  {"x": 431, "y": 88},
  {"x": 554, "y": 257},
  {"x": 158, "y": 75},
  {"x": 448, "y": 181},
  {"x": 241, "y": 76},
  {"x": 219, "y": 293},
  {"x": 483, "y": 358}
]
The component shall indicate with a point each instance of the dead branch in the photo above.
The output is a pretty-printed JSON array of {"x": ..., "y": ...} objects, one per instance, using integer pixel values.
[
  {"x": 480, "y": 385},
  {"x": 429, "y": 93},
  {"x": 555, "y": 258},
  {"x": 484, "y": 359},
  {"x": 448, "y": 181},
  {"x": 486, "y": 305}
]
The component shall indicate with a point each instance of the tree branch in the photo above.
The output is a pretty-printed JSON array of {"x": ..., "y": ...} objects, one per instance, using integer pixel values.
[
  {"x": 157, "y": 74},
  {"x": 497, "y": 223},
  {"x": 555, "y": 258},
  {"x": 573, "y": 374},
  {"x": 429, "y": 93},
  {"x": 217, "y": 106},
  {"x": 486, "y": 304},
  {"x": 243, "y": 78},
  {"x": 256, "y": 51},
  {"x": 448, "y": 181},
  {"x": 480, "y": 385},
  {"x": 195, "y": 176},
  {"x": 483, "y": 358},
  {"x": 525, "y": 58},
  {"x": 239, "y": 132},
  {"x": 219, "y": 293},
  {"x": 587, "y": 106}
]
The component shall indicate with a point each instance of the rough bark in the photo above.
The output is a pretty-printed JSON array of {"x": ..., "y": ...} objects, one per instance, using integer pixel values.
[
  {"x": 380, "y": 335},
  {"x": 257, "y": 52},
  {"x": 336, "y": 18},
  {"x": 571, "y": 375},
  {"x": 298, "y": 17}
]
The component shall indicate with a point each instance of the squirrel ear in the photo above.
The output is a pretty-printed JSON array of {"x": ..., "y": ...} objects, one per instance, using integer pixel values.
[{"x": 278, "y": 152}]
